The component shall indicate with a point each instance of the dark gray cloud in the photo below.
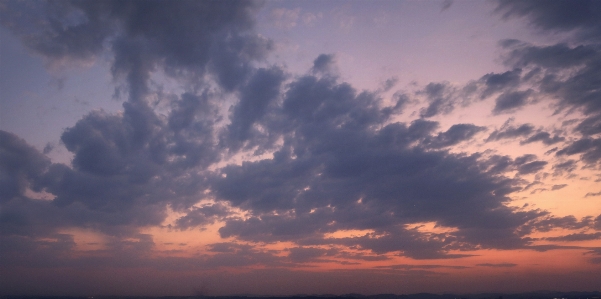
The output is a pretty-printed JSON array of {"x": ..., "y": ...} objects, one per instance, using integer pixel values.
[
  {"x": 524, "y": 159},
  {"x": 338, "y": 170},
  {"x": 511, "y": 101},
  {"x": 532, "y": 167},
  {"x": 568, "y": 76},
  {"x": 543, "y": 137},
  {"x": 581, "y": 16},
  {"x": 324, "y": 64},
  {"x": 589, "y": 148},
  {"x": 508, "y": 131},
  {"x": 262, "y": 90},
  {"x": 21, "y": 166},
  {"x": 567, "y": 72},
  {"x": 205, "y": 36},
  {"x": 455, "y": 134},
  {"x": 127, "y": 167},
  {"x": 440, "y": 97},
  {"x": 590, "y": 126},
  {"x": 494, "y": 83},
  {"x": 497, "y": 164}
]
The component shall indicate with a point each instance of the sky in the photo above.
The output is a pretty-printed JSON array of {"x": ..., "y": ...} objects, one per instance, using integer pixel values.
[{"x": 299, "y": 147}]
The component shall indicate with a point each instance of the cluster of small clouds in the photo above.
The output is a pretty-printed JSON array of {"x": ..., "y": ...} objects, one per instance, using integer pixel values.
[{"x": 329, "y": 157}]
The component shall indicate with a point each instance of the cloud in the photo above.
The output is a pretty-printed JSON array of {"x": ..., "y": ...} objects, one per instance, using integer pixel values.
[
  {"x": 262, "y": 90},
  {"x": 335, "y": 153},
  {"x": 499, "y": 82},
  {"x": 567, "y": 166},
  {"x": 548, "y": 223},
  {"x": 408, "y": 267},
  {"x": 304, "y": 254},
  {"x": 455, "y": 134},
  {"x": 565, "y": 76},
  {"x": 509, "y": 132},
  {"x": 446, "y": 4},
  {"x": 580, "y": 16},
  {"x": 324, "y": 157},
  {"x": 576, "y": 237},
  {"x": 511, "y": 101},
  {"x": 202, "y": 216},
  {"x": 500, "y": 265},
  {"x": 324, "y": 64},
  {"x": 590, "y": 148},
  {"x": 21, "y": 166},
  {"x": 593, "y": 194},
  {"x": 532, "y": 167},
  {"x": 144, "y": 36},
  {"x": 544, "y": 137},
  {"x": 440, "y": 99}
]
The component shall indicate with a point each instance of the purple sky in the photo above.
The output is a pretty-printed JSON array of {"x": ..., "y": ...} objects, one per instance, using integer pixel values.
[{"x": 285, "y": 147}]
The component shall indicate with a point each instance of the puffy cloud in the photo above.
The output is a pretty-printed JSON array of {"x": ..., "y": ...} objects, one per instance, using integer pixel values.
[
  {"x": 204, "y": 36},
  {"x": 338, "y": 170},
  {"x": 262, "y": 90},
  {"x": 327, "y": 158},
  {"x": 21, "y": 166},
  {"x": 324, "y": 64}
]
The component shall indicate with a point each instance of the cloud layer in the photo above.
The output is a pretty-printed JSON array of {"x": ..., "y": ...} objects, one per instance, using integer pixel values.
[{"x": 336, "y": 174}]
